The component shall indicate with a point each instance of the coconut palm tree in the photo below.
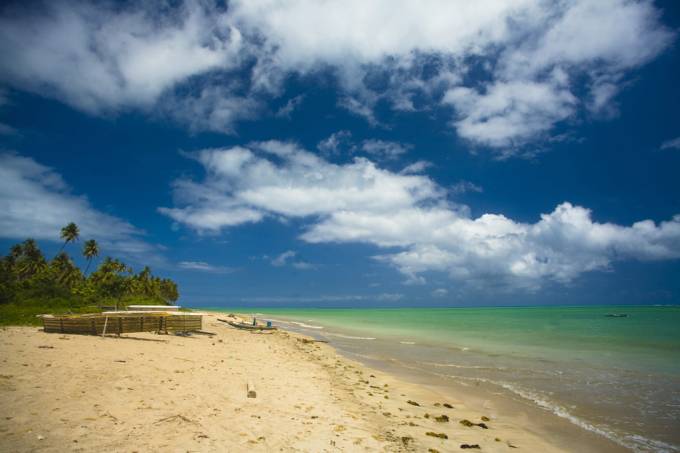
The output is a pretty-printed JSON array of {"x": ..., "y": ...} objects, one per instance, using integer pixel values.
[
  {"x": 31, "y": 260},
  {"x": 90, "y": 250},
  {"x": 69, "y": 233},
  {"x": 67, "y": 272}
]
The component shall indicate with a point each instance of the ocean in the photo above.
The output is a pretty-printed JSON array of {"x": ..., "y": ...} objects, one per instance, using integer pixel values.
[{"x": 615, "y": 376}]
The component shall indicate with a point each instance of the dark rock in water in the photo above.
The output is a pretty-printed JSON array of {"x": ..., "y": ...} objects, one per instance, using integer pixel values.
[
  {"x": 485, "y": 418},
  {"x": 406, "y": 439},
  {"x": 482, "y": 425},
  {"x": 432, "y": 450},
  {"x": 466, "y": 446},
  {"x": 448, "y": 406},
  {"x": 413, "y": 403},
  {"x": 440, "y": 435},
  {"x": 442, "y": 418}
]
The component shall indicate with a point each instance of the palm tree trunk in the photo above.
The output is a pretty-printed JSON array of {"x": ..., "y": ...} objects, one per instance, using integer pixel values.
[
  {"x": 61, "y": 249},
  {"x": 88, "y": 266}
]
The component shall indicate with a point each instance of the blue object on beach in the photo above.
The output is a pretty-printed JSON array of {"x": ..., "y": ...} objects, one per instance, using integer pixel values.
[{"x": 269, "y": 323}]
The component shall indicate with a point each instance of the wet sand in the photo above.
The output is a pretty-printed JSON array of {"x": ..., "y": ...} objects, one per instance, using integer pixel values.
[{"x": 148, "y": 392}]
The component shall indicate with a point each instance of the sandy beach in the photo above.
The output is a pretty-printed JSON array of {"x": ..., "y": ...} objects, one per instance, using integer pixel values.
[{"x": 148, "y": 392}]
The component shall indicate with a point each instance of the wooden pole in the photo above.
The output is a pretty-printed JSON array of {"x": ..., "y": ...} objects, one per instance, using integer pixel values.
[
  {"x": 106, "y": 321},
  {"x": 251, "y": 390}
]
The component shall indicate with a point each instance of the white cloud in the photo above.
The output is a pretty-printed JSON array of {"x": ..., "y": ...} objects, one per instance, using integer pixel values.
[
  {"x": 341, "y": 142},
  {"x": 416, "y": 167},
  {"x": 36, "y": 202},
  {"x": 385, "y": 149},
  {"x": 202, "y": 266},
  {"x": 535, "y": 55},
  {"x": 104, "y": 58},
  {"x": 440, "y": 292},
  {"x": 213, "y": 108},
  {"x": 465, "y": 186},
  {"x": 509, "y": 114},
  {"x": 671, "y": 144},
  {"x": 360, "y": 202},
  {"x": 539, "y": 63},
  {"x": 292, "y": 104},
  {"x": 282, "y": 258},
  {"x": 240, "y": 180},
  {"x": 336, "y": 143},
  {"x": 287, "y": 258}
]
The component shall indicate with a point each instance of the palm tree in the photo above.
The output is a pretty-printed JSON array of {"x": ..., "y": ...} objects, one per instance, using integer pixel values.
[
  {"x": 90, "y": 250},
  {"x": 69, "y": 233},
  {"x": 67, "y": 272},
  {"x": 31, "y": 260}
]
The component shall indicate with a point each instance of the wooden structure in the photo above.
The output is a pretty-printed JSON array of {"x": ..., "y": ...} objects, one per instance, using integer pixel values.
[{"x": 123, "y": 322}]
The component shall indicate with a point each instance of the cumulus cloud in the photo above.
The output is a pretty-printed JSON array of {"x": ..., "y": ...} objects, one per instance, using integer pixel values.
[
  {"x": 36, "y": 202},
  {"x": 99, "y": 57},
  {"x": 509, "y": 113},
  {"x": 536, "y": 63},
  {"x": 245, "y": 185},
  {"x": 202, "y": 266},
  {"x": 409, "y": 216}
]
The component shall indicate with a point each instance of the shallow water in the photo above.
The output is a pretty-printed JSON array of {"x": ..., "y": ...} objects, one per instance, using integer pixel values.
[{"x": 619, "y": 377}]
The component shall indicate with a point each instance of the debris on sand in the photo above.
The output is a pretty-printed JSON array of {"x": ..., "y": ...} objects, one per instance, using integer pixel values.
[
  {"x": 439, "y": 435},
  {"x": 469, "y": 424}
]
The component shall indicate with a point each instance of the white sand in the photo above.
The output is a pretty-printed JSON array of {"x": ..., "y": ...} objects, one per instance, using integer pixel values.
[{"x": 147, "y": 392}]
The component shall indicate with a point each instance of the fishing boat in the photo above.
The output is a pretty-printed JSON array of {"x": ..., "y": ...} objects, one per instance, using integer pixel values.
[
  {"x": 616, "y": 315},
  {"x": 246, "y": 326}
]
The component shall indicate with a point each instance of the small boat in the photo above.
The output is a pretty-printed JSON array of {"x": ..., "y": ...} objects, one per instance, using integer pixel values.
[
  {"x": 616, "y": 315},
  {"x": 246, "y": 326}
]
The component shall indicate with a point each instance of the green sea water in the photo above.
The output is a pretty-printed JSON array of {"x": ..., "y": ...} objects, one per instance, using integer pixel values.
[{"x": 617, "y": 376}]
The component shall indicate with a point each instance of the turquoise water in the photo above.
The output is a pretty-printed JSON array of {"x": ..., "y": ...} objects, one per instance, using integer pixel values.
[{"x": 619, "y": 376}]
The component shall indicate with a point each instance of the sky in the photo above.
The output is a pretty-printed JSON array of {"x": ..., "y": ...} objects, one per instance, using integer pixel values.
[{"x": 352, "y": 153}]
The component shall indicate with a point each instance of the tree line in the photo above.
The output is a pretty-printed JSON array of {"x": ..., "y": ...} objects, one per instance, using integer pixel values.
[{"x": 27, "y": 277}]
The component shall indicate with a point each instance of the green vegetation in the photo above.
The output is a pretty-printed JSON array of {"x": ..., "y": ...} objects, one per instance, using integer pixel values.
[{"x": 30, "y": 284}]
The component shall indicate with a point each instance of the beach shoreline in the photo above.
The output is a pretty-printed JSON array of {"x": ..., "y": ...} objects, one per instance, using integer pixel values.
[{"x": 146, "y": 392}]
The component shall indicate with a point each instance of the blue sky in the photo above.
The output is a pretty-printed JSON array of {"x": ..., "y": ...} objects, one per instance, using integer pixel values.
[{"x": 286, "y": 153}]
